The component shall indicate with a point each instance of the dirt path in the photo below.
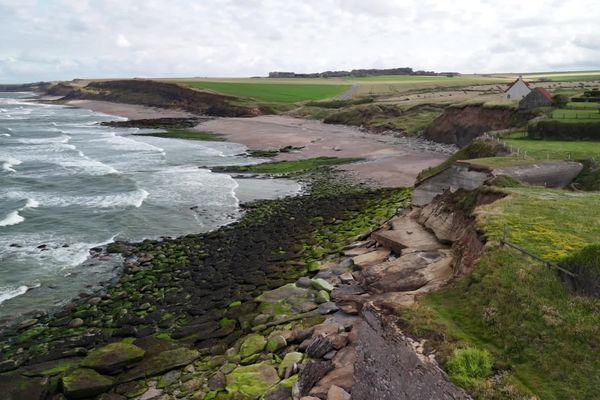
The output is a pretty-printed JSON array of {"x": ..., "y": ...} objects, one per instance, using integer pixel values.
[
  {"x": 389, "y": 161},
  {"x": 348, "y": 94}
]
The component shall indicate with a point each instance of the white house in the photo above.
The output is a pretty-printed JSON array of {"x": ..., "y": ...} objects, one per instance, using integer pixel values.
[{"x": 517, "y": 90}]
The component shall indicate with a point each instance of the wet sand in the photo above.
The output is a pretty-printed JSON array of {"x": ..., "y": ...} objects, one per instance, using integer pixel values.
[
  {"x": 389, "y": 162},
  {"x": 131, "y": 111}
]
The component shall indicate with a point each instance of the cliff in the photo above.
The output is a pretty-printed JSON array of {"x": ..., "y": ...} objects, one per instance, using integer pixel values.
[
  {"x": 165, "y": 95},
  {"x": 460, "y": 125}
]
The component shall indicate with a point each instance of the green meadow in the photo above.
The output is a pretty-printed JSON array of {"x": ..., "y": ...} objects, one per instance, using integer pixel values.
[{"x": 273, "y": 92}]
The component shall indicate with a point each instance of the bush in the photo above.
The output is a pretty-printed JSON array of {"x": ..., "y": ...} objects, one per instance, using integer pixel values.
[
  {"x": 469, "y": 366},
  {"x": 586, "y": 265}
]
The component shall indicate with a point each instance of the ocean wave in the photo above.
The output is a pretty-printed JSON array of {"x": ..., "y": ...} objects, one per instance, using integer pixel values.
[
  {"x": 8, "y": 164},
  {"x": 9, "y": 293},
  {"x": 31, "y": 203},
  {"x": 55, "y": 139},
  {"x": 5, "y": 134},
  {"x": 13, "y": 218},
  {"x": 134, "y": 198}
]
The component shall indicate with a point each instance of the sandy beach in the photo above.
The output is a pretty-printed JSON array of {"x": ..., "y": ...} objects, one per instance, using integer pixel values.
[
  {"x": 131, "y": 111},
  {"x": 389, "y": 160}
]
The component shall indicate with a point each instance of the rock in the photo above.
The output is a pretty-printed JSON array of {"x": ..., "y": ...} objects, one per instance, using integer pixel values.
[
  {"x": 371, "y": 258},
  {"x": 27, "y": 323},
  {"x": 319, "y": 346},
  {"x": 51, "y": 368},
  {"x": 151, "y": 393},
  {"x": 113, "y": 358},
  {"x": 253, "y": 344},
  {"x": 327, "y": 308},
  {"x": 346, "y": 278},
  {"x": 337, "y": 393},
  {"x": 407, "y": 233},
  {"x": 111, "y": 396},
  {"x": 304, "y": 282},
  {"x": 217, "y": 381},
  {"x": 309, "y": 398},
  {"x": 322, "y": 297},
  {"x": 281, "y": 293},
  {"x": 289, "y": 364},
  {"x": 83, "y": 383},
  {"x": 161, "y": 362},
  {"x": 311, "y": 374},
  {"x": 321, "y": 284},
  {"x": 356, "y": 251},
  {"x": 16, "y": 387},
  {"x": 275, "y": 343},
  {"x": 252, "y": 380},
  {"x": 76, "y": 323},
  {"x": 8, "y": 365}
]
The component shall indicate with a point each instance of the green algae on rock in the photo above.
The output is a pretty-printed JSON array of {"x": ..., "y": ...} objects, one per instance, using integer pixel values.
[
  {"x": 253, "y": 344},
  {"x": 112, "y": 358},
  {"x": 252, "y": 380},
  {"x": 84, "y": 383}
]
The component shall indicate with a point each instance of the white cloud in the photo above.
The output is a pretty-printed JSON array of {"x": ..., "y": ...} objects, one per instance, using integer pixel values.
[
  {"x": 63, "y": 39},
  {"x": 122, "y": 41}
]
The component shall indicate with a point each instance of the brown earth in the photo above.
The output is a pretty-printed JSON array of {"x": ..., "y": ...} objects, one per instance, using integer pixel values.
[{"x": 131, "y": 111}]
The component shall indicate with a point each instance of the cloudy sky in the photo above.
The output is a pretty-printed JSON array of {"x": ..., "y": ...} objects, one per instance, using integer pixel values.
[{"x": 66, "y": 39}]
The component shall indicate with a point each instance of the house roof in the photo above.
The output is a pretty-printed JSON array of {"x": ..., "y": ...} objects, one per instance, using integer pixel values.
[
  {"x": 514, "y": 83},
  {"x": 544, "y": 92}
]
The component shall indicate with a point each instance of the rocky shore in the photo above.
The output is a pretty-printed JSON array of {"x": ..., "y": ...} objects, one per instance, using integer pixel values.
[{"x": 186, "y": 302}]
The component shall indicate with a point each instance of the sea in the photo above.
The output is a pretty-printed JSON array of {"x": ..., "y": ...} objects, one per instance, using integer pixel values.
[{"x": 69, "y": 184}]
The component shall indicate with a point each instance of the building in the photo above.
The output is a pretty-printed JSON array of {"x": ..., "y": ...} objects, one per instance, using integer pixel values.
[
  {"x": 538, "y": 97},
  {"x": 517, "y": 90}
]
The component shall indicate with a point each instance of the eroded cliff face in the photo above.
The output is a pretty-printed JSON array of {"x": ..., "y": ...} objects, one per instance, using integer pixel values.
[
  {"x": 460, "y": 125},
  {"x": 162, "y": 94}
]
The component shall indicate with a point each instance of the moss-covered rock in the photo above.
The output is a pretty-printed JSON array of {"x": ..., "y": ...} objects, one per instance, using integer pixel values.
[
  {"x": 321, "y": 284},
  {"x": 252, "y": 380},
  {"x": 84, "y": 382},
  {"x": 162, "y": 362},
  {"x": 286, "y": 367},
  {"x": 112, "y": 358},
  {"x": 16, "y": 387},
  {"x": 275, "y": 343},
  {"x": 253, "y": 344}
]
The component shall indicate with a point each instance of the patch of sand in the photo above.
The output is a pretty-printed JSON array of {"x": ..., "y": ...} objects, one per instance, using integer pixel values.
[
  {"x": 388, "y": 162},
  {"x": 131, "y": 111}
]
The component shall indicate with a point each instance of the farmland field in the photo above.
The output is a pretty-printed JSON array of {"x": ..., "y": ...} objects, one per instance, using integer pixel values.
[
  {"x": 566, "y": 76},
  {"x": 556, "y": 149},
  {"x": 576, "y": 115},
  {"x": 272, "y": 93}
]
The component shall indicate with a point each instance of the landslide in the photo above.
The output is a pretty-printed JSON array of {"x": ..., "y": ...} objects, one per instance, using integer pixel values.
[
  {"x": 165, "y": 95},
  {"x": 459, "y": 125}
]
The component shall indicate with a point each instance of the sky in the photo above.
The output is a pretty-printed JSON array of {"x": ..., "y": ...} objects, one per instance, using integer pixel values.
[{"x": 67, "y": 39}]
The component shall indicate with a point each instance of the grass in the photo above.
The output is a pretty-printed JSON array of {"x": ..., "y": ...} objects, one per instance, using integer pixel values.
[
  {"x": 556, "y": 149},
  {"x": 576, "y": 115},
  {"x": 272, "y": 92},
  {"x": 582, "y": 106},
  {"x": 286, "y": 167},
  {"x": 187, "y": 134},
  {"x": 551, "y": 223}
]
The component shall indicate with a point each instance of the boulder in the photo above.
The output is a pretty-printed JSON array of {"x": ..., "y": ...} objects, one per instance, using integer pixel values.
[
  {"x": 311, "y": 374},
  {"x": 275, "y": 343},
  {"x": 113, "y": 358},
  {"x": 252, "y": 380},
  {"x": 253, "y": 344},
  {"x": 16, "y": 387},
  {"x": 321, "y": 284},
  {"x": 371, "y": 258},
  {"x": 83, "y": 383},
  {"x": 160, "y": 363},
  {"x": 407, "y": 233},
  {"x": 337, "y": 393}
]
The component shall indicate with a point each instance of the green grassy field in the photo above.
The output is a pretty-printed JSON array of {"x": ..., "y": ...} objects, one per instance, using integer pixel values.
[
  {"x": 583, "y": 106},
  {"x": 542, "y": 337},
  {"x": 576, "y": 115},
  {"x": 556, "y": 149},
  {"x": 565, "y": 76},
  {"x": 273, "y": 92}
]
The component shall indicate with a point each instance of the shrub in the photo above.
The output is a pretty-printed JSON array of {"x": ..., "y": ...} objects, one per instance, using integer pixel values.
[
  {"x": 469, "y": 366},
  {"x": 586, "y": 265}
]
